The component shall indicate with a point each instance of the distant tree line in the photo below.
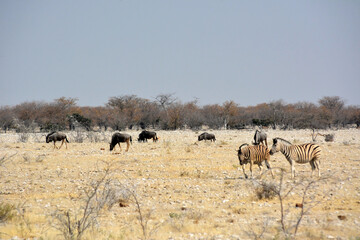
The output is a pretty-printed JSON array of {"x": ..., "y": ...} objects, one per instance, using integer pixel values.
[{"x": 168, "y": 113}]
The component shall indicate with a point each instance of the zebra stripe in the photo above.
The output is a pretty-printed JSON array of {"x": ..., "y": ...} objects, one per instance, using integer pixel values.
[
  {"x": 254, "y": 155},
  {"x": 304, "y": 153}
]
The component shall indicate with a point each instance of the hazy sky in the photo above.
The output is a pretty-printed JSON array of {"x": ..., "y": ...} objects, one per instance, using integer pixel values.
[{"x": 250, "y": 52}]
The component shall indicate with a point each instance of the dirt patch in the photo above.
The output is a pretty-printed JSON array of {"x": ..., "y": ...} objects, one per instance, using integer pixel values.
[{"x": 186, "y": 189}]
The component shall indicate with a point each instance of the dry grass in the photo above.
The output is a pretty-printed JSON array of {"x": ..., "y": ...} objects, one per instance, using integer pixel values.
[{"x": 185, "y": 189}]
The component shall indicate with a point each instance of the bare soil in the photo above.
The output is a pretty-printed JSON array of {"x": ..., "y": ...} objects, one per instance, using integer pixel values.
[{"x": 186, "y": 189}]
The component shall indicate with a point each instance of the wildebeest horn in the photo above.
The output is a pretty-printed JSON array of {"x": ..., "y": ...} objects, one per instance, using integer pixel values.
[{"x": 243, "y": 145}]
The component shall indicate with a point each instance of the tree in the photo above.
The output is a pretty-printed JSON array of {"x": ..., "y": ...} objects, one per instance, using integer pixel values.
[
  {"x": 128, "y": 108},
  {"x": 6, "y": 118},
  {"x": 165, "y": 100},
  {"x": 213, "y": 116},
  {"x": 331, "y": 109},
  {"x": 192, "y": 115},
  {"x": 230, "y": 110}
]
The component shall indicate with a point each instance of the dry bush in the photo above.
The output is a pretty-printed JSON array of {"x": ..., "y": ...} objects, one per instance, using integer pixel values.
[
  {"x": 143, "y": 216},
  {"x": 23, "y": 137},
  {"x": 93, "y": 137},
  {"x": 78, "y": 137},
  {"x": 329, "y": 137},
  {"x": 5, "y": 158},
  {"x": 99, "y": 195},
  {"x": 26, "y": 158},
  {"x": 306, "y": 188},
  {"x": 266, "y": 190}
]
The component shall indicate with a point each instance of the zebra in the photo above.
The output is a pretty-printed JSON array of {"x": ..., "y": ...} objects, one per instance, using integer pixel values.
[
  {"x": 303, "y": 153},
  {"x": 254, "y": 155}
]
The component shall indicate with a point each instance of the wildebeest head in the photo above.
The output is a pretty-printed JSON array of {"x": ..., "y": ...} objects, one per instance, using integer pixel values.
[
  {"x": 241, "y": 155},
  {"x": 48, "y": 138},
  {"x": 111, "y": 147}
]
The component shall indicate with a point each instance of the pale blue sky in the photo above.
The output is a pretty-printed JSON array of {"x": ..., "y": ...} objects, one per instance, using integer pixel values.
[{"x": 250, "y": 52}]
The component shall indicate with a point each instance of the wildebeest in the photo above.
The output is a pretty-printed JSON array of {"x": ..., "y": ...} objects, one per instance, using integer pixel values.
[
  {"x": 56, "y": 136},
  {"x": 118, "y": 138},
  {"x": 260, "y": 137},
  {"x": 206, "y": 136},
  {"x": 304, "y": 153},
  {"x": 145, "y": 135},
  {"x": 254, "y": 155}
]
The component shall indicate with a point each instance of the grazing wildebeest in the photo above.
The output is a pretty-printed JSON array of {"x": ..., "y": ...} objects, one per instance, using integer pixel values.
[
  {"x": 56, "y": 136},
  {"x": 206, "y": 136},
  {"x": 304, "y": 153},
  {"x": 260, "y": 137},
  {"x": 145, "y": 135},
  {"x": 117, "y": 138},
  {"x": 254, "y": 155}
]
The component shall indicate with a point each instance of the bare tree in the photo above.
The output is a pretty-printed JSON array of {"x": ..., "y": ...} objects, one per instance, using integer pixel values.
[
  {"x": 306, "y": 188},
  {"x": 99, "y": 193},
  {"x": 165, "y": 100},
  {"x": 332, "y": 107}
]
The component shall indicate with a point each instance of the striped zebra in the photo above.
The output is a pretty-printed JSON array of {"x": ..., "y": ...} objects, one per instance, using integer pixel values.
[
  {"x": 254, "y": 155},
  {"x": 303, "y": 153}
]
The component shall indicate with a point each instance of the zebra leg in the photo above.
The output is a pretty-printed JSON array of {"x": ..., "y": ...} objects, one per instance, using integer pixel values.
[
  {"x": 312, "y": 163},
  {"x": 260, "y": 167},
  {"x": 317, "y": 164},
  {"x": 251, "y": 169},
  {"x": 292, "y": 169},
  {"x": 243, "y": 168},
  {"x": 268, "y": 167}
]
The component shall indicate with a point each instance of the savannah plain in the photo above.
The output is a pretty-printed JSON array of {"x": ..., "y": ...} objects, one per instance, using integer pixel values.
[{"x": 184, "y": 189}]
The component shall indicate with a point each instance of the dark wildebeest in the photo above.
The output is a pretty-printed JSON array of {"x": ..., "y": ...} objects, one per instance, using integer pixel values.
[
  {"x": 118, "y": 138},
  {"x": 56, "y": 136},
  {"x": 260, "y": 137},
  {"x": 206, "y": 136},
  {"x": 145, "y": 135}
]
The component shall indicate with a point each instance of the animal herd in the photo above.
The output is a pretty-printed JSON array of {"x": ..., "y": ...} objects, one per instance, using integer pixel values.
[{"x": 252, "y": 154}]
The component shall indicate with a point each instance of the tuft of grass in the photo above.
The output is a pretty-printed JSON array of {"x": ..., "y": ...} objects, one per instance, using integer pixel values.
[
  {"x": 174, "y": 215},
  {"x": 222, "y": 142},
  {"x": 265, "y": 191},
  {"x": 7, "y": 212},
  {"x": 188, "y": 149},
  {"x": 184, "y": 174},
  {"x": 26, "y": 158}
]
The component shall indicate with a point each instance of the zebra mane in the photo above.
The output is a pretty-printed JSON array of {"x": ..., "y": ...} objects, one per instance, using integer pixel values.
[{"x": 283, "y": 140}]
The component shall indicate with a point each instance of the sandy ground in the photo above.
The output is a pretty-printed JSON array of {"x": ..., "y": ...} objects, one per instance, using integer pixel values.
[{"x": 186, "y": 189}]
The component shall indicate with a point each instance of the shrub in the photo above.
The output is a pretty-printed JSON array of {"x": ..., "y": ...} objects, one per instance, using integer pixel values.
[
  {"x": 265, "y": 191},
  {"x": 7, "y": 212}
]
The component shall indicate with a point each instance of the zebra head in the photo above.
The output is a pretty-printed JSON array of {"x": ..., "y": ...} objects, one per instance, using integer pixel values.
[
  {"x": 278, "y": 144},
  {"x": 243, "y": 157},
  {"x": 274, "y": 147}
]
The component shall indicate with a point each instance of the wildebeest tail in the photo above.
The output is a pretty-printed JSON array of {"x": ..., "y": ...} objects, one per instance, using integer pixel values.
[{"x": 131, "y": 139}]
